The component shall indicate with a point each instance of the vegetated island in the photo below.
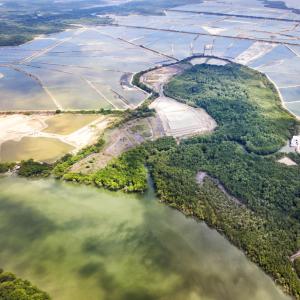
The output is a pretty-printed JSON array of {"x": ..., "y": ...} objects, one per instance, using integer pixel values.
[{"x": 230, "y": 179}]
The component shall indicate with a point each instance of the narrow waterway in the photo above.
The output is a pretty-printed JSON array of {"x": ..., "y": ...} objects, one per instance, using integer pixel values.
[{"x": 79, "y": 242}]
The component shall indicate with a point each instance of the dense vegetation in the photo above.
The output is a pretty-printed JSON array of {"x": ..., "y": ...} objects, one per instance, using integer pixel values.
[
  {"x": 265, "y": 223},
  {"x": 64, "y": 164},
  {"x": 13, "y": 288},
  {"x": 242, "y": 101},
  {"x": 297, "y": 266},
  {"x": 5, "y": 167},
  {"x": 251, "y": 122},
  {"x": 137, "y": 82},
  {"x": 127, "y": 173},
  {"x": 31, "y": 168}
]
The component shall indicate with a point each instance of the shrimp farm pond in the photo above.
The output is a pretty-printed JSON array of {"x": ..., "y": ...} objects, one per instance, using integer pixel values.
[{"x": 91, "y": 67}]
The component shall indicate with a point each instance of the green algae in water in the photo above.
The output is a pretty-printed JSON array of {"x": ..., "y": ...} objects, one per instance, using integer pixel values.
[{"x": 77, "y": 243}]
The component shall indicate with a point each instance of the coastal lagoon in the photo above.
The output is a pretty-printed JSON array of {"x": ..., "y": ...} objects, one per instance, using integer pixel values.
[{"x": 79, "y": 242}]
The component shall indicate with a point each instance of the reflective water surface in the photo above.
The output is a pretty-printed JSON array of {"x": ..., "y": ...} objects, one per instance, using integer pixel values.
[{"x": 78, "y": 242}]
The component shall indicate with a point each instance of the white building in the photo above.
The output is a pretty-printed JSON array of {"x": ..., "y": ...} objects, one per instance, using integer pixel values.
[{"x": 295, "y": 142}]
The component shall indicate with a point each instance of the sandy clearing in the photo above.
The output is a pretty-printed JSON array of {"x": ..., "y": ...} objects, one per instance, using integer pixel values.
[
  {"x": 199, "y": 60},
  {"x": 178, "y": 119},
  {"x": 295, "y": 256},
  {"x": 287, "y": 161},
  {"x": 200, "y": 177},
  {"x": 181, "y": 120},
  {"x": 255, "y": 51},
  {"x": 89, "y": 134},
  {"x": 82, "y": 137},
  {"x": 157, "y": 78},
  {"x": 120, "y": 140},
  {"x": 15, "y": 127}
]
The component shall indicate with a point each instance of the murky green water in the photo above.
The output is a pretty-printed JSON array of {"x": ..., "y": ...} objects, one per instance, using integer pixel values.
[{"x": 81, "y": 243}]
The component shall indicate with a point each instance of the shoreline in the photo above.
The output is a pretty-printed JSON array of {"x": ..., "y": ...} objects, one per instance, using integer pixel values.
[{"x": 189, "y": 212}]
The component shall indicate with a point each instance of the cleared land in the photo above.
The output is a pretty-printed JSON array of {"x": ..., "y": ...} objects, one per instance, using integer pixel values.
[
  {"x": 173, "y": 119},
  {"x": 157, "y": 78},
  {"x": 178, "y": 119},
  {"x": 66, "y": 133},
  {"x": 119, "y": 140},
  {"x": 208, "y": 61},
  {"x": 15, "y": 127},
  {"x": 287, "y": 161}
]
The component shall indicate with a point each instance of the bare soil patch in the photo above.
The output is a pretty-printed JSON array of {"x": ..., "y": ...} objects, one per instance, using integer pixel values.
[
  {"x": 157, "y": 78},
  {"x": 120, "y": 140},
  {"x": 17, "y": 127},
  {"x": 180, "y": 120},
  {"x": 287, "y": 161}
]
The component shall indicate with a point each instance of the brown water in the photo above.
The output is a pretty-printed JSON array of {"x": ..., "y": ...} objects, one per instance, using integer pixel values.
[
  {"x": 79, "y": 243},
  {"x": 68, "y": 123},
  {"x": 39, "y": 148}
]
